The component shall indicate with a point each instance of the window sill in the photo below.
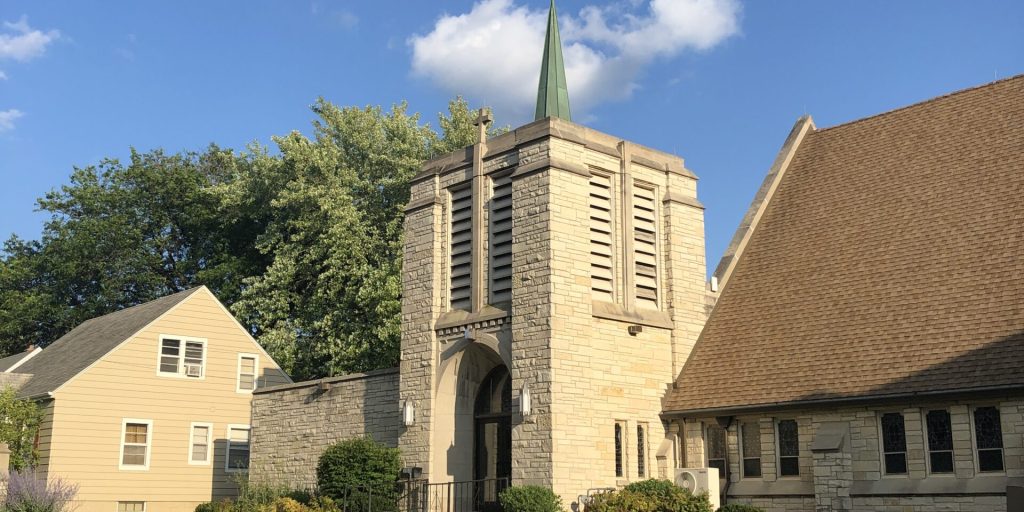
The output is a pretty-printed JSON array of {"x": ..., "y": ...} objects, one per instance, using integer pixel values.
[
  {"x": 648, "y": 317},
  {"x": 986, "y": 484},
  {"x": 759, "y": 487},
  {"x": 180, "y": 376}
]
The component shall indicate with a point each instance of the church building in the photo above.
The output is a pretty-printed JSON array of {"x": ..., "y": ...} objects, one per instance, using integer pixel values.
[{"x": 858, "y": 348}]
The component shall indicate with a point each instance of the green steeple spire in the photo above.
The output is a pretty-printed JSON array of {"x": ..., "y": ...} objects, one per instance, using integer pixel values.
[{"x": 553, "y": 93}]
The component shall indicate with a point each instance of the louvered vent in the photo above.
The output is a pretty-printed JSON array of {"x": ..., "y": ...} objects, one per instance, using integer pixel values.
[
  {"x": 645, "y": 247},
  {"x": 602, "y": 270},
  {"x": 501, "y": 240},
  {"x": 461, "y": 248}
]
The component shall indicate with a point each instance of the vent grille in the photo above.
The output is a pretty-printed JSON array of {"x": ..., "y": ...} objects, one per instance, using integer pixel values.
[
  {"x": 645, "y": 247},
  {"x": 501, "y": 239},
  {"x": 461, "y": 248},
  {"x": 602, "y": 269}
]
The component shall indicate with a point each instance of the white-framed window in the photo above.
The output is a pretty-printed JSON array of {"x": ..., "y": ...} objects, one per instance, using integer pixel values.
[
  {"x": 181, "y": 356},
  {"x": 641, "y": 450},
  {"x": 131, "y": 506},
  {"x": 237, "y": 458},
  {"x": 750, "y": 449},
  {"x": 788, "y": 434},
  {"x": 988, "y": 439},
  {"x": 715, "y": 446},
  {"x": 248, "y": 372},
  {"x": 136, "y": 440},
  {"x": 200, "y": 443},
  {"x": 894, "y": 443},
  {"x": 938, "y": 428}
]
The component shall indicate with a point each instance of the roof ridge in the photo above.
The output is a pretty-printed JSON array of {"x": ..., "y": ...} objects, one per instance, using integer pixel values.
[
  {"x": 922, "y": 102},
  {"x": 89, "y": 321},
  {"x": 187, "y": 290}
]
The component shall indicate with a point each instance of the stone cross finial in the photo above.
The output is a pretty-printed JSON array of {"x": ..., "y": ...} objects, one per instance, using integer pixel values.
[{"x": 483, "y": 119}]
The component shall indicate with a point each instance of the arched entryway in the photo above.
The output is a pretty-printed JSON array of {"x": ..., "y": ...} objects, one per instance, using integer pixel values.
[{"x": 492, "y": 414}]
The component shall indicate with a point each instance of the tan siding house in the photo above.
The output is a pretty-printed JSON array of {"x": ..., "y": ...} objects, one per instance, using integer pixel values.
[{"x": 144, "y": 405}]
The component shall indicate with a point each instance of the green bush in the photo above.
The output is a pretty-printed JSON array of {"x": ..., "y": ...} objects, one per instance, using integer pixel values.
[
  {"x": 650, "y": 496},
  {"x": 530, "y": 498},
  {"x": 739, "y": 507},
  {"x": 223, "y": 505},
  {"x": 268, "y": 498},
  {"x": 360, "y": 469}
]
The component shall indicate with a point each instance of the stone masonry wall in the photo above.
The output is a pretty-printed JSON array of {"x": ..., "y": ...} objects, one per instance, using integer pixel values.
[
  {"x": 602, "y": 375},
  {"x": 832, "y": 479},
  {"x": 854, "y": 479},
  {"x": 584, "y": 371},
  {"x": 292, "y": 424}
]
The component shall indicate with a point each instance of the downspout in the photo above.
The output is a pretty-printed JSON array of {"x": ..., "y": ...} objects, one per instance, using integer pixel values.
[{"x": 725, "y": 422}]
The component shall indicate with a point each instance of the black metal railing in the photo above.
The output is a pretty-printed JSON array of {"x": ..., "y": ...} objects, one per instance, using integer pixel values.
[
  {"x": 422, "y": 496},
  {"x": 465, "y": 496}
]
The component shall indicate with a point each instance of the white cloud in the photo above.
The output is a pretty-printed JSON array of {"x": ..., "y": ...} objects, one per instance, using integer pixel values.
[
  {"x": 492, "y": 54},
  {"x": 22, "y": 42},
  {"x": 346, "y": 19},
  {"x": 3, "y": 76},
  {"x": 7, "y": 118}
]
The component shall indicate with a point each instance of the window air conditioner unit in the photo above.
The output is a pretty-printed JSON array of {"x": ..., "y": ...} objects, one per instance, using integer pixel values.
[
  {"x": 698, "y": 480},
  {"x": 193, "y": 370}
]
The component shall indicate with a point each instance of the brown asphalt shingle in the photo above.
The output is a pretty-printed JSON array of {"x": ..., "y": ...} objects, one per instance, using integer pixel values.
[{"x": 890, "y": 261}]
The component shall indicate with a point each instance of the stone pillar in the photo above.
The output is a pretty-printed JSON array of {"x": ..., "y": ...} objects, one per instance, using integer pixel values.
[
  {"x": 421, "y": 304},
  {"x": 833, "y": 468},
  {"x": 532, "y": 442},
  {"x": 685, "y": 269}
]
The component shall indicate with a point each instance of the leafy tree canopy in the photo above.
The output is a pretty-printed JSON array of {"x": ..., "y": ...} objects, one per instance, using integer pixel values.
[{"x": 303, "y": 244}]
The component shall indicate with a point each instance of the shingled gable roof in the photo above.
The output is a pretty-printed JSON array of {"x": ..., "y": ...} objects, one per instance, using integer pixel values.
[
  {"x": 14, "y": 361},
  {"x": 90, "y": 341},
  {"x": 889, "y": 262}
]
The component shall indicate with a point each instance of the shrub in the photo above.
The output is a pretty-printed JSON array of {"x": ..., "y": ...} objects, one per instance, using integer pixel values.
[
  {"x": 260, "y": 497},
  {"x": 26, "y": 493},
  {"x": 650, "y": 496},
  {"x": 286, "y": 504},
  {"x": 739, "y": 507},
  {"x": 530, "y": 498},
  {"x": 356, "y": 467},
  {"x": 223, "y": 505}
]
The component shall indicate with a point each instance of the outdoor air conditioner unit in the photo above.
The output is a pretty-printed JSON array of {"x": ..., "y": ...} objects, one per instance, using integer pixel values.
[
  {"x": 699, "y": 480},
  {"x": 193, "y": 370}
]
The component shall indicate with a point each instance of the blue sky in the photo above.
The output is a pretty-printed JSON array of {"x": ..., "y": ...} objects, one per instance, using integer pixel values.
[{"x": 718, "y": 82}]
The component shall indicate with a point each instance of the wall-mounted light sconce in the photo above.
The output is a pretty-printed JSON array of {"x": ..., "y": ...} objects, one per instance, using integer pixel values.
[
  {"x": 633, "y": 330},
  {"x": 408, "y": 413},
  {"x": 525, "y": 405}
]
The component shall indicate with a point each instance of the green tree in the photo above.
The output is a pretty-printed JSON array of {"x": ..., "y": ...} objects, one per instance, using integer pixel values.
[
  {"x": 121, "y": 234},
  {"x": 18, "y": 429},
  {"x": 329, "y": 302},
  {"x": 304, "y": 245}
]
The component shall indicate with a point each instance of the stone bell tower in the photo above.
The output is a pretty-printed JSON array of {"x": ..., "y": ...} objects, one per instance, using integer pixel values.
[{"x": 554, "y": 285}]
